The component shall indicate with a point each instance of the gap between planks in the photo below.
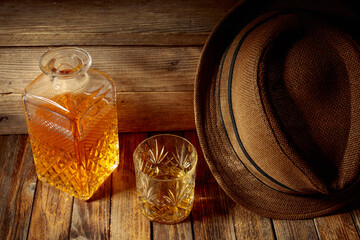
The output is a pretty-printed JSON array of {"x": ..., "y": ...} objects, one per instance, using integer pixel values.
[
  {"x": 137, "y": 112},
  {"x": 213, "y": 215}
]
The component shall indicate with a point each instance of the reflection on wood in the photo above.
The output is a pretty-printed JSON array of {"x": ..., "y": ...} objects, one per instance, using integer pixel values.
[
  {"x": 87, "y": 220},
  {"x": 35, "y": 210},
  {"x": 212, "y": 212},
  {"x": 127, "y": 222}
]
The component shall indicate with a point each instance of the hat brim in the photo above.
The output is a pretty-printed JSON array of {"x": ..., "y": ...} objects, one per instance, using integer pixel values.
[{"x": 232, "y": 175}]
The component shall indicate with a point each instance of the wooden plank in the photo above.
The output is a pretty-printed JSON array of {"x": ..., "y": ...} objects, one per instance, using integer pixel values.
[
  {"x": 339, "y": 226},
  {"x": 249, "y": 225},
  {"x": 109, "y": 22},
  {"x": 133, "y": 69},
  {"x": 212, "y": 217},
  {"x": 90, "y": 219},
  {"x": 51, "y": 215},
  {"x": 179, "y": 231},
  {"x": 127, "y": 222},
  {"x": 182, "y": 230},
  {"x": 154, "y": 85},
  {"x": 17, "y": 186},
  {"x": 12, "y": 118},
  {"x": 295, "y": 229},
  {"x": 105, "y": 39},
  {"x": 137, "y": 112}
]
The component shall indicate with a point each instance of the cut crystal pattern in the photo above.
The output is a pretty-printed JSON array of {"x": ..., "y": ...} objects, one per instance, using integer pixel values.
[
  {"x": 77, "y": 166},
  {"x": 165, "y": 179}
]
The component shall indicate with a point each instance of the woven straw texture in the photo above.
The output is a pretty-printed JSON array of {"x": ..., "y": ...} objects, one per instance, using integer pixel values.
[{"x": 277, "y": 103}]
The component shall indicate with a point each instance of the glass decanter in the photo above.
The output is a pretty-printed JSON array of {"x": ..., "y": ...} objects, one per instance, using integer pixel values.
[{"x": 72, "y": 122}]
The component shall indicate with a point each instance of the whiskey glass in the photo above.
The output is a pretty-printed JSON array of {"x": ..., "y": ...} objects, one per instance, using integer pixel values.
[{"x": 165, "y": 169}]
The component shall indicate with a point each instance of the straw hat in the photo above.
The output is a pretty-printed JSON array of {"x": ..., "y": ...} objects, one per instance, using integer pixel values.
[{"x": 277, "y": 106}]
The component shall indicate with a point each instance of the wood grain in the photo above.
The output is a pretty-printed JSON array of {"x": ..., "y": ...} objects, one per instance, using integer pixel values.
[
  {"x": 17, "y": 186},
  {"x": 113, "y": 212},
  {"x": 90, "y": 218},
  {"x": 109, "y": 22},
  {"x": 51, "y": 215},
  {"x": 133, "y": 69},
  {"x": 106, "y": 39},
  {"x": 12, "y": 118},
  {"x": 127, "y": 222},
  {"x": 339, "y": 226},
  {"x": 151, "y": 50},
  {"x": 154, "y": 85},
  {"x": 212, "y": 217},
  {"x": 137, "y": 112},
  {"x": 179, "y": 231},
  {"x": 249, "y": 225},
  {"x": 295, "y": 229}
]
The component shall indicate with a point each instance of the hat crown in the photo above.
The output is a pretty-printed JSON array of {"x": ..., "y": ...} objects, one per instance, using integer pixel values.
[
  {"x": 290, "y": 102},
  {"x": 278, "y": 113},
  {"x": 306, "y": 92}
]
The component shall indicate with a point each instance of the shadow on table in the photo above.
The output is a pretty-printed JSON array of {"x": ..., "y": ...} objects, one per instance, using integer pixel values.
[
  {"x": 103, "y": 191},
  {"x": 211, "y": 201}
]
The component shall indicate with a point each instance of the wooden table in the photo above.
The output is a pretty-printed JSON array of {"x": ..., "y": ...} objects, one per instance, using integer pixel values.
[
  {"x": 151, "y": 50},
  {"x": 33, "y": 210}
]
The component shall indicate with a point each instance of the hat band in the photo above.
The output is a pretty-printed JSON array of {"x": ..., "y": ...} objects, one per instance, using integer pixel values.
[{"x": 229, "y": 99}]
